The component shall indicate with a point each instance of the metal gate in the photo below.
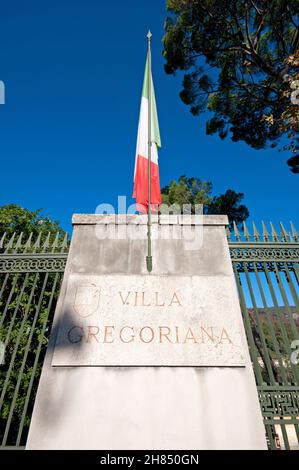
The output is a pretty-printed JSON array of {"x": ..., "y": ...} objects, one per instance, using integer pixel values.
[
  {"x": 266, "y": 266},
  {"x": 30, "y": 277}
]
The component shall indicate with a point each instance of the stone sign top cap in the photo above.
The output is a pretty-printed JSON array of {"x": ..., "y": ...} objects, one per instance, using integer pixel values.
[{"x": 124, "y": 219}]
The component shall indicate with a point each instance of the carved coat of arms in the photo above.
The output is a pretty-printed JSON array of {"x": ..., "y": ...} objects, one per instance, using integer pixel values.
[{"x": 87, "y": 299}]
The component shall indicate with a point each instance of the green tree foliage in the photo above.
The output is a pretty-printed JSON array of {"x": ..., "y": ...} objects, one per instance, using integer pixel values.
[
  {"x": 288, "y": 122},
  {"x": 230, "y": 203},
  {"x": 236, "y": 58},
  {"x": 273, "y": 325},
  {"x": 14, "y": 218},
  {"x": 193, "y": 191},
  {"x": 27, "y": 303}
]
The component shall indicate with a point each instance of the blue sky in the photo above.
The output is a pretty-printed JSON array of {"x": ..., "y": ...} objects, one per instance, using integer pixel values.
[{"x": 73, "y": 74}]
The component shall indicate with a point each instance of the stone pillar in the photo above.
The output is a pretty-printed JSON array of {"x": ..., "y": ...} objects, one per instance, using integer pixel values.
[{"x": 185, "y": 382}]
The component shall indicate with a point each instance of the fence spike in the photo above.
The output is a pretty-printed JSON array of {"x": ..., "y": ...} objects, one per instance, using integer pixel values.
[
  {"x": 47, "y": 242},
  {"x": 228, "y": 234},
  {"x": 55, "y": 242},
  {"x": 265, "y": 232},
  {"x": 10, "y": 242},
  {"x": 19, "y": 242},
  {"x": 28, "y": 243},
  {"x": 274, "y": 234},
  {"x": 237, "y": 234},
  {"x": 37, "y": 243},
  {"x": 256, "y": 234},
  {"x": 2, "y": 240},
  {"x": 283, "y": 233},
  {"x": 246, "y": 232},
  {"x": 65, "y": 241},
  {"x": 295, "y": 234}
]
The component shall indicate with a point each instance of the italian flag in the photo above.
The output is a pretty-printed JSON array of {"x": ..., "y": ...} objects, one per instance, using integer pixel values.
[{"x": 140, "y": 192}]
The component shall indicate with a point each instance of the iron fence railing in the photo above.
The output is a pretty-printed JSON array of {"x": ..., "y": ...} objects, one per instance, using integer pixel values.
[
  {"x": 30, "y": 275},
  {"x": 266, "y": 267}
]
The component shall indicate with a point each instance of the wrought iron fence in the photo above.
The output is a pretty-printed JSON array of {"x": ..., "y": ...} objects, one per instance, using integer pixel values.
[
  {"x": 266, "y": 267},
  {"x": 30, "y": 275}
]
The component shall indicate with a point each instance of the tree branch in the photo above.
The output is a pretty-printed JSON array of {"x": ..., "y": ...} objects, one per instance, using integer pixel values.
[
  {"x": 259, "y": 12},
  {"x": 291, "y": 17},
  {"x": 259, "y": 29},
  {"x": 239, "y": 28},
  {"x": 247, "y": 30},
  {"x": 296, "y": 41},
  {"x": 256, "y": 57}
]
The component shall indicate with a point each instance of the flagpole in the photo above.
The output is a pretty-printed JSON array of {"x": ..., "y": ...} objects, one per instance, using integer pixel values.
[{"x": 149, "y": 261}]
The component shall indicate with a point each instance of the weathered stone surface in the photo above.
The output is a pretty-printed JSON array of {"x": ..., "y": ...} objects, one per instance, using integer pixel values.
[
  {"x": 129, "y": 320},
  {"x": 105, "y": 249},
  {"x": 147, "y": 407},
  {"x": 120, "y": 219}
]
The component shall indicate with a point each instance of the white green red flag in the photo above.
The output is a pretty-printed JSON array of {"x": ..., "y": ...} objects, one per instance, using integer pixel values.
[{"x": 140, "y": 192}]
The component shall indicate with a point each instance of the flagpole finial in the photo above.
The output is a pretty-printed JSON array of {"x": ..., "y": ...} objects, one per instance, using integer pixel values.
[{"x": 149, "y": 35}]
